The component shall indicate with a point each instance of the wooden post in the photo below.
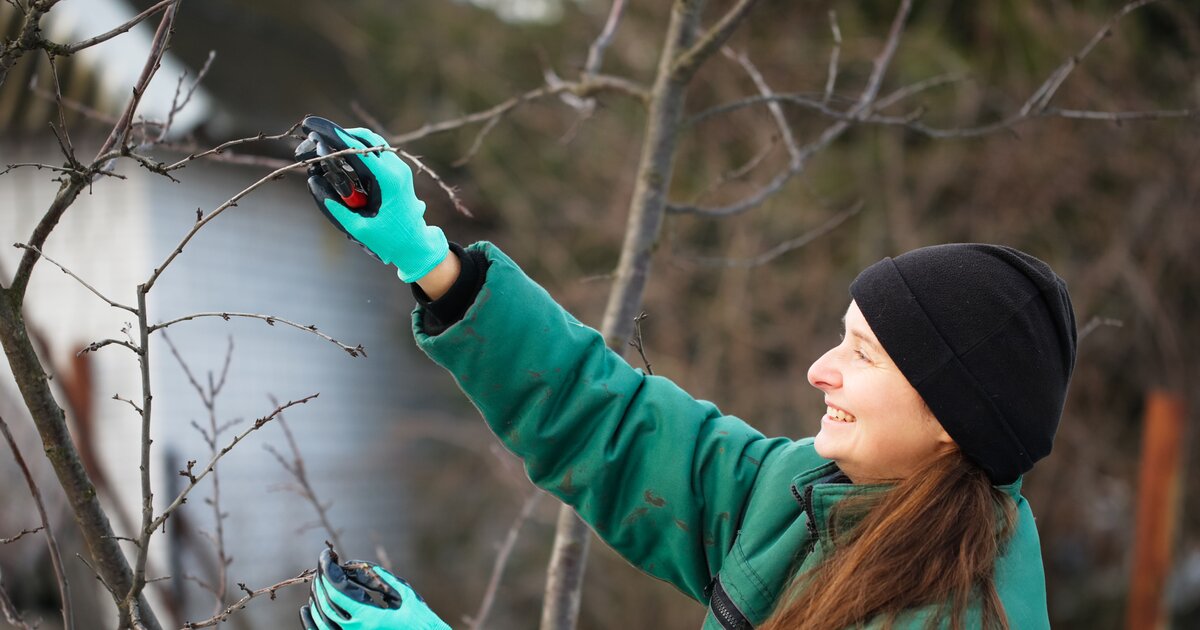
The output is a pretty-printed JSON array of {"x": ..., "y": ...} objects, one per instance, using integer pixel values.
[{"x": 1157, "y": 509}]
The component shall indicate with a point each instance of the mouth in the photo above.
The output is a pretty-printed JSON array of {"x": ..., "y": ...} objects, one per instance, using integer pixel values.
[{"x": 838, "y": 415}]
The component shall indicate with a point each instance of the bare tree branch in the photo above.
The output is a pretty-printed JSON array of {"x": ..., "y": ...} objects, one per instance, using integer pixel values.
[
  {"x": 884, "y": 60},
  {"x": 780, "y": 249},
  {"x": 595, "y": 55},
  {"x": 60, "y": 133},
  {"x": 49, "y": 167},
  {"x": 177, "y": 105},
  {"x": 195, "y": 479},
  {"x": 158, "y": 47},
  {"x": 271, "y": 320},
  {"x": 208, "y": 398},
  {"x": 510, "y": 540},
  {"x": 23, "y": 532},
  {"x": 1041, "y": 97},
  {"x": 1095, "y": 323},
  {"x": 96, "y": 345},
  {"x": 690, "y": 60},
  {"x": 834, "y": 56},
  {"x": 785, "y": 130},
  {"x": 305, "y": 577},
  {"x": 71, "y": 49},
  {"x": 296, "y": 469},
  {"x": 221, "y": 148},
  {"x": 11, "y": 615},
  {"x": 592, "y": 86},
  {"x": 29, "y": 36},
  {"x": 60, "y": 574},
  {"x": 77, "y": 278},
  {"x": 273, "y": 175}
]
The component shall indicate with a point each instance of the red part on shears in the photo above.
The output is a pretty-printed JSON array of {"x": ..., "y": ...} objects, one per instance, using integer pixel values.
[{"x": 357, "y": 199}]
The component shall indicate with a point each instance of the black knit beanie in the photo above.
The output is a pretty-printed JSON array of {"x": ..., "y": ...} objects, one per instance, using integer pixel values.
[{"x": 986, "y": 334}]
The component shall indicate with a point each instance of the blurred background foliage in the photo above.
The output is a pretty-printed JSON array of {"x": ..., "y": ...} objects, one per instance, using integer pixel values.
[{"x": 1112, "y": 207}]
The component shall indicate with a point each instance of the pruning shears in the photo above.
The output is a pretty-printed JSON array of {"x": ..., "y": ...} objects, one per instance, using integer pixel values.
[{"x": 345, "y": 176}]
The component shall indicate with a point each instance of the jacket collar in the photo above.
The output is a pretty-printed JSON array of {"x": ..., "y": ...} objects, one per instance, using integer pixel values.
[{"x": 818, "y": 489}]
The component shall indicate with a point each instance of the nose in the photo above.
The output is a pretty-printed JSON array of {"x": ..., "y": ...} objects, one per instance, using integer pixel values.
[{"x": 824, "y": 373}]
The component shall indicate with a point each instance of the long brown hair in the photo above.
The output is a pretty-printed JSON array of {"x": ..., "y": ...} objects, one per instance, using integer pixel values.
[{"x": 930, "y": 539}]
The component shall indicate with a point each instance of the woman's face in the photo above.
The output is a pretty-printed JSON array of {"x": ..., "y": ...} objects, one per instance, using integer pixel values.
[{"x": 876, "y": 427}]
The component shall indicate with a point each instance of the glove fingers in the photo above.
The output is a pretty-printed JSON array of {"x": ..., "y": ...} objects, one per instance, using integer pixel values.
[
  {"x": 331, "y": 574},
  {"x": 365, "y": 575},
  {"x": 314, "y": 623},
  {"x": 368, "y": 137},
  {"x": 324, "y": 612}
]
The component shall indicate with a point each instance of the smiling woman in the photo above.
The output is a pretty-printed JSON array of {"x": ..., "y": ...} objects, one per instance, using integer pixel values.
[
  {"x": 904, "y": 512},
  {"x": 876, "y": 426}
]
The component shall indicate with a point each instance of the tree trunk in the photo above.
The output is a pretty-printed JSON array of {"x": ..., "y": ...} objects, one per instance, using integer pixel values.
[
  {"x": 106, "y": 556},
  {"x": 564, "y": 581}
]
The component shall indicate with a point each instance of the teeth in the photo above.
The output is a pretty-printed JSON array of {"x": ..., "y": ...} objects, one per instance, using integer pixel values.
[{"x": 838, "y": 414}]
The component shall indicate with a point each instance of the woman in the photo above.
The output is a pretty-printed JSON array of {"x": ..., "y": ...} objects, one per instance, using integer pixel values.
[{"x": 904, "y": 511}]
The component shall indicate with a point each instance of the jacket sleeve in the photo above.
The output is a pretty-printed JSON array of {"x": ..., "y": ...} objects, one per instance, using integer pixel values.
[{"x": 660, "y": 476}]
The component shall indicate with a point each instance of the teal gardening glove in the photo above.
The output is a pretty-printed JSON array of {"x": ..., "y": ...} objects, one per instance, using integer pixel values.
[
  {"x": 389, "y": 222},
  {"x": 364, "y": 596}
]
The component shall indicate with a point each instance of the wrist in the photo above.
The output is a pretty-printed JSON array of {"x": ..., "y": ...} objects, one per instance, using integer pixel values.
[{"x": 438, "y": 281}]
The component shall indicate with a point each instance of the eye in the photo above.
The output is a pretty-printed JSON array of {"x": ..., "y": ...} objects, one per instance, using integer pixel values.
[{"x": 859, "y": 353}]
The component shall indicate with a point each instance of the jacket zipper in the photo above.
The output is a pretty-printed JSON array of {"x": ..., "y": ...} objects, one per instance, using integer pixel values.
[
  {"x": 805, "y": 501},
  {"x": 724, "y": 609}
]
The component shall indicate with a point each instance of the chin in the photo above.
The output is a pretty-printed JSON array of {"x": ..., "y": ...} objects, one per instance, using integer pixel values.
[{"x": 824, "y": 448}]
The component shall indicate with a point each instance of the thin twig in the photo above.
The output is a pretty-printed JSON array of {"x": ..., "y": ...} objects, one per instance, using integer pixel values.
[
  {"x": 353, "y": 351},
  {"x": 785, "y": 130},
  {"x": 879, "y": 68},
  {"x": 738, "y": 172},
  {"x": 884, "y": 60},
  {"x": 208, "y": 398},
  {"x": 368, "y": 119},
  {"x": 221, "y": 148},
  {"x": 637, "y": 341},
  {"x": 780, "y": 249},
  {"x": 129, "y": 402},
  {"x": 1120, "y": 116},
  {"x": 195, "y": 479},
  {"x": 834, "y": 55},
  {"x": 596, "y": 52},
  {"x": 297, "y": 470},
  {"x": 689, "y": 61},
  {"x": 61, "y": 133},
  {"x": 593, "y": 85},
  {"x": 5, "y": 541},
  {"x": 1041, "y": 97},
  {"x": 96, "y": 345},
  {"x": 11, "y": 615},
  {"x": 273, "y": 175},
  {"x": 502, "y": 555},
  {"x": 120, "y": 132},
  {"x": 304, "y": 577},
  {"x": 176, "y": 105},
  {"x": 124, "y": 28},
  {"x": 50, "y": 167},
  {"x": 60, "y": 574},
  {"x": 448, "y": 189},
  {"x": 1095, "y": 323},
  {"x": 477, "y": 143},
  {"x": 77, "y": 278},
  {"x": 913, "y": 89}
]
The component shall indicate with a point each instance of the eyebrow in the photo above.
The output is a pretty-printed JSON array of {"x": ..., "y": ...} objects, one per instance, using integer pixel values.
[{"x": 859, "y": 334}]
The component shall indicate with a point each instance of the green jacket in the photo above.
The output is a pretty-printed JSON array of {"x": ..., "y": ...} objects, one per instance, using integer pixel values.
[{"x": 682, "y": 491}]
